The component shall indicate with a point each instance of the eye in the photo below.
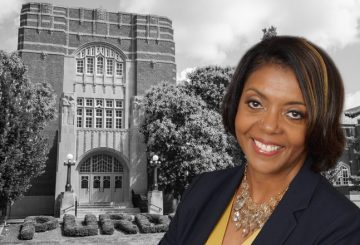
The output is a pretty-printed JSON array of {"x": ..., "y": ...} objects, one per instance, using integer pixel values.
[
  {"x": 253, "y": 104},
  {"x": 295, "y": 115}
]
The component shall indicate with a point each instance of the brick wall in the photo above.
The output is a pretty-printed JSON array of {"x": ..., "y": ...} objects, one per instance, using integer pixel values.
[{"x": 48, "y": 33}]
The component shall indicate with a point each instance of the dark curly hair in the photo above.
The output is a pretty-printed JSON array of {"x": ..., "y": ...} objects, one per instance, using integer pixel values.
[{"x": 320, "y": 83}]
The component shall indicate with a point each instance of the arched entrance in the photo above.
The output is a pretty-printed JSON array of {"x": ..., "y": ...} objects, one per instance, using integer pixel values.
[{"x": 101, "y": 178}]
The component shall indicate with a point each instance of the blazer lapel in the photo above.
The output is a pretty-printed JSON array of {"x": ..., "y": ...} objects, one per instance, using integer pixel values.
[
  {"x": 284, "y": 218},
  {"x": 211, "y": 213}
]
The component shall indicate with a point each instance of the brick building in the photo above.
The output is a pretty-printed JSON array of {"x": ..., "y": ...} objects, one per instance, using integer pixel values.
[
  {"x": 98, "y": 63},
  {"x": 348, "y": 170}
]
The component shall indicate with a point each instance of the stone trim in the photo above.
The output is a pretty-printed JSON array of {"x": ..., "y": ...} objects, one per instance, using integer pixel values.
[
  {"x": 81, "y": 20},
  {"x": 96, "y": 35},
  {"x": 74, "y": 49}
]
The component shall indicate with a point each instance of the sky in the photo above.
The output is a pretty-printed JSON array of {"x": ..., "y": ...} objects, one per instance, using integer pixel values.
[{"x": 213, "y": 32}]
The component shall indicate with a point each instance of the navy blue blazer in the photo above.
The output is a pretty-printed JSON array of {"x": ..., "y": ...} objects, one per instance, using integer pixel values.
[{"x": 312, "y": 211}]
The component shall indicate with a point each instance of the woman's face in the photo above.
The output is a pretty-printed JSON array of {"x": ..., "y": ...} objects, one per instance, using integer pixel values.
[{"x": 270, "y": 123}]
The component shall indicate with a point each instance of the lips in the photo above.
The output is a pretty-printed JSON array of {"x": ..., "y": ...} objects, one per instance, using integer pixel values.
[{"x": 268, "y": 149}]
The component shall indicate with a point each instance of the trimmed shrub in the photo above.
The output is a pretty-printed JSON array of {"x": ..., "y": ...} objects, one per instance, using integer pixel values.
[
  {"x": 27, "y": 230},
  {"x": 126, "y": 226},
  {"x": 122, "y": 216},
  {"x": 43, "y": 223},
  {"x": 106, "y": 225},
  {"x": 152, "y": 223},
  {"x": 71, "y": 228}
]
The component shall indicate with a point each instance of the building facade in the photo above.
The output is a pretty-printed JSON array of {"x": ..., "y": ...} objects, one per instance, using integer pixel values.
[
  {"x": 98, "y": 63},
  {"x": 348, "y": 169}
]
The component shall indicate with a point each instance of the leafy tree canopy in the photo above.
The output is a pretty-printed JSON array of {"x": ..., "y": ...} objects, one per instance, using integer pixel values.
[
  {"x": 25, "y": 109},
  {"x": 183, "y": 126}
]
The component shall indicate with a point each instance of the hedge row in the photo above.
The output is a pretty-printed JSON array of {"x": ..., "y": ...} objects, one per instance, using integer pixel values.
[
  {"x": 34, "y": 224},
  {"x": 106, "y": 225},
  {"x": 71, "y": 228},
  {"x": 129, "y": 224},
  {"x": 152, "y": 223}
]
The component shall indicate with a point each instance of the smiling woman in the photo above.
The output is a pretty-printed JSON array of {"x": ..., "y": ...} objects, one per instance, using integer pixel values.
[{"x": 283, "y": 106}]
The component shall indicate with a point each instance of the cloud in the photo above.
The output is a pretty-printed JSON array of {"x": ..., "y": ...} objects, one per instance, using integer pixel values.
[
  {"x": 352, "y": 100},
  {"x": 210, "y": 31},
  {"x": 182, "y": 76},
  {"x": 9, "y": 8}
]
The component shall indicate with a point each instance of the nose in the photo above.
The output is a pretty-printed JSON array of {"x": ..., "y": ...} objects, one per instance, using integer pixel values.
[{"x": 269, "y": 122}]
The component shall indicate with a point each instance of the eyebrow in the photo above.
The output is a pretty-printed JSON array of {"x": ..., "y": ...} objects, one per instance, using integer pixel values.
[{"x": 264, "y": 96}]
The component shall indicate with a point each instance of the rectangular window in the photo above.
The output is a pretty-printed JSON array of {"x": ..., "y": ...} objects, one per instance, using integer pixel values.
[
  {"x": 80, "y": 66},
  {"x": 79, "y": 117},
  {"x": 99, "y": 103},
  {"x": 109, "y": 67},
  {"x": 99, "y": 122},
  {"x": 119, "y": 69},
  {"x": 118, "y": 104},
  {"x": 100, "y": 65},
  {"x": 109, "y": 103},
  {"x": 89, "y": 102},
  {"x": 109, "y": 118},
  {"x": 99, "y": 112},
  {"x": 118, "y": 119},
  {"x": 80, "y": 101},
  {"x": 89, "y": 65},
  {"x": 99, "y": 118},
  {"x": 88, "y": 122}
]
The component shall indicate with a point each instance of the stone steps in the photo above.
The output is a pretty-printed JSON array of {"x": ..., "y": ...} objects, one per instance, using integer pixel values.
[{"x": 100, "y": 209}]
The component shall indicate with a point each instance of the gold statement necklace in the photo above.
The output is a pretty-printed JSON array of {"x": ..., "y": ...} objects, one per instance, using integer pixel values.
[{"x": 249, "y": 215}]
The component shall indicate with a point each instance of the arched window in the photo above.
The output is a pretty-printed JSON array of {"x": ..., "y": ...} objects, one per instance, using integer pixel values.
[
  {"x": 343, "y": 176},
  {"x": 101, "y": 163},
  {"x": 99, "y": 58}
]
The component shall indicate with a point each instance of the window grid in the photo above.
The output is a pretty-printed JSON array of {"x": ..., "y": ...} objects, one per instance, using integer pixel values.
[
  {"x": 119, "y": 69},
  {"x": 99, "y": 113},
  {"x": 118, "y": 104},
  {"x": 88, "y": 118},
  {"x": 89, "y": 65},
  {"x": 99, "y": 118},
  {"x": 118, "y": 119},
  {"x": 80, "y": 101},
  {"x": 80, "y": 66},
  {"x": 343, "y": 176},
  {"x": 79, "y": 117},
  {"x": 109, "y": 103},
  {"x": 109, "y": 67},
  {"x": 100, "y": 65},
  {"x": 109, "y": 118},
  {"x": 101, "y": 163},
  {"x": 100, "y": 60}
]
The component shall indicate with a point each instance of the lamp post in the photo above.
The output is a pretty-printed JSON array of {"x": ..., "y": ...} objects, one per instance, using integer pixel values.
[
  {"x": 186, "y": 179},
  {"x": 69, "y": 163},
  {"x": 155, "y": 162}
]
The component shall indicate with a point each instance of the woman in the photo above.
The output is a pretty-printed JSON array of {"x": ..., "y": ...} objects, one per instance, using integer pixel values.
[{"x": 283, "y": 105}]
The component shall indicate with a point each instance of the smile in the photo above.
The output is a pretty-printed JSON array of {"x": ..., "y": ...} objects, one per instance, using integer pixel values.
[{"x": 266, "y": 148}]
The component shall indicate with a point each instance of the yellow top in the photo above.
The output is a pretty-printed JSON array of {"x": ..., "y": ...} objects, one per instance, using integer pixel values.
[{"x": 217, "y": 235}]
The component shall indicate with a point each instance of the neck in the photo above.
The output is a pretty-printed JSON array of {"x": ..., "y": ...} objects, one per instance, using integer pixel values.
[{"x": 263, "y": 186}]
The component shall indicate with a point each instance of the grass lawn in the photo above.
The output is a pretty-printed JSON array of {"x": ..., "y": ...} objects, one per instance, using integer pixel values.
[{"x": 11, "y": 232}]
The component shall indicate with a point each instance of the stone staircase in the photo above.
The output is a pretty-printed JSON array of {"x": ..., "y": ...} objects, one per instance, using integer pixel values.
[{"x": 101, "y": 208}]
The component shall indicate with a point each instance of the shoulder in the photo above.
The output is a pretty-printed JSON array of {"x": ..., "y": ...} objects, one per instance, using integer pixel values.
[
  {"x": 332, "y": 200},
  {"x": 206, "y": 184},
  {"x": 215, "y": 178},
  {"x": 338, "y": 217}
]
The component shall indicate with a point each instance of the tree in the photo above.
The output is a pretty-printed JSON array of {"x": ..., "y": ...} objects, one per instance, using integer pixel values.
[
  {"x": 269, "y": 32},
  {"x": 183, "y": 126},
  {"x": 25, "y": 109},
  {"x": 209, "y": 83}
]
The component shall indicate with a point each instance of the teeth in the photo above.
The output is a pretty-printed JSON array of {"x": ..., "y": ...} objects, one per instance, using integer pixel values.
[{"x": 266, "y": 148}]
